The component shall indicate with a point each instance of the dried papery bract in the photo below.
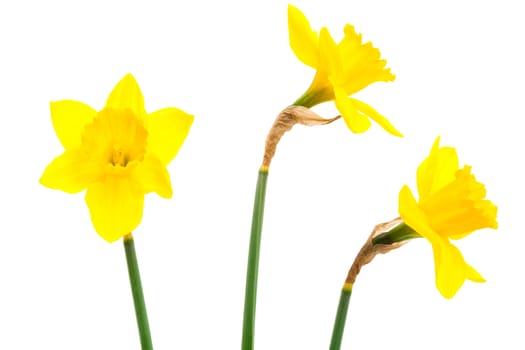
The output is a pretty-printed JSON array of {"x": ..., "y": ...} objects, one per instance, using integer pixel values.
[
  {"x": 284, "y": 122},
  {"x": 370, "y": 250}
]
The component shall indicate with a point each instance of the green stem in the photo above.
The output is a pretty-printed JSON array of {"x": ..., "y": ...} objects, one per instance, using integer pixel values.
[
  {"x": 340, "y": 318},
  {"x": 307, "y": 100},
  {"x": 400, "y": 233},
  {"x": 250, "y": 297},
  {"x": 138, "y": 295}
]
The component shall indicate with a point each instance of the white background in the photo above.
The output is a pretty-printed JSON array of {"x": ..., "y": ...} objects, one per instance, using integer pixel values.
[{"x": 460, "y": 74}]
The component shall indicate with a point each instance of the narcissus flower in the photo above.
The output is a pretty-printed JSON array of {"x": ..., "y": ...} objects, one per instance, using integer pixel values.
[
  {"x": 451, "y": 206},
  {"x": 342, "y": 70},
  {"x": 117, "y": 154}
]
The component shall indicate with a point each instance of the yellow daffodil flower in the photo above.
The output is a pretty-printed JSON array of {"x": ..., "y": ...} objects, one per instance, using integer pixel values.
[
  {"x": 450, "y": 206},
  {"x": 342, "y": 70},
  {"x": 117, "y": 154}
]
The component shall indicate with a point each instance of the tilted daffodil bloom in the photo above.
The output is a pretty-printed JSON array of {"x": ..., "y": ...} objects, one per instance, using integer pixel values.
[
  {"x": 342, "y": 70},
  {"x": 117, "y": 154},
  {"x": 451, "y": 206}
]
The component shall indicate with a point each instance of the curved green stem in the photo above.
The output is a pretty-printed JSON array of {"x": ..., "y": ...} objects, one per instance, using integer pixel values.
[
  {"x": 340, "y": 317},
  {"x": 250, "y": 298},
  {"x": 138, "y": 295}
]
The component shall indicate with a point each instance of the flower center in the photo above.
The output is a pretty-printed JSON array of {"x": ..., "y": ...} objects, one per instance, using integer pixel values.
[
  {"x": 115, "y": 138},
  {"x": 118, "y": 157}
]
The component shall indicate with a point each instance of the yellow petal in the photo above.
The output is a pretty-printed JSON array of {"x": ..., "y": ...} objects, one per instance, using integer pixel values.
[
  {"x": 416, "y": 218},
  {"x": 375, "y": 116},
  {"x": 69, "y": 118},
  {"x": 127, "y": 95},
  {"x": 330, "y": 59},
  {"x": 153, "y": 176},
  {"x": 473, "y": 275},
  {"x": 450, "y": 269},
  {"x": 303, "y": 40},
  {"x": 167, "y": 130},
  {"x": 355, "y": 121},
  {"x": 115, "y": 205},
  {"x": 437, "y": 170},
  {"x": 71, "y": 172}
]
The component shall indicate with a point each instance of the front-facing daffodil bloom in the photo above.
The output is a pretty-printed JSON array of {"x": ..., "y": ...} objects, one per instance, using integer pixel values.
[
  {"x": 117, "y": 154},
  {"x": 451, "y": 206},
  {"x": 342, "y": 70}
]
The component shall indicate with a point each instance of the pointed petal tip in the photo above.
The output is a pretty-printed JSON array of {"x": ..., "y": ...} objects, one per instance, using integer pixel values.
[
  {"x": 127, "y": 95},
  {"x": 436, "y": 141},
  {"x": 129, "y": 78},
  {"x": 370, "y": 112},
  {"x": 395, "y": 132},
  {"x": 43, "y": 180},
  {"x": 473, "y": 275}
]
